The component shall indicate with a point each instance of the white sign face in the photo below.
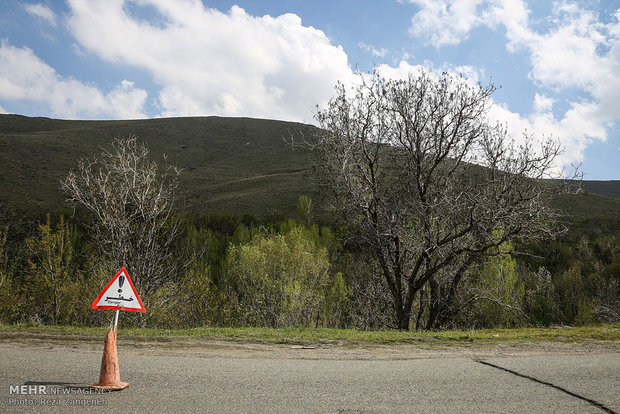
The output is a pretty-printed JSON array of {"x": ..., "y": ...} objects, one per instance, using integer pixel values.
[{"x": 120, "y": 294}]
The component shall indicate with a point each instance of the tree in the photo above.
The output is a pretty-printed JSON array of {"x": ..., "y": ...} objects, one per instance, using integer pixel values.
[
  {"x": 50, "y": 268},
  {"x": 130, "y": 201},
  {"x": 304, "y": 209},
  {"x": 283, "y": 280},
  {"x": 427, "y": 184}
]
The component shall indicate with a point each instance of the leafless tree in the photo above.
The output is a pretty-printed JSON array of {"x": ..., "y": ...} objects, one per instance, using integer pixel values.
[
  {"x": 130, "y": 203},
  {"x": 428, "y": 184}
]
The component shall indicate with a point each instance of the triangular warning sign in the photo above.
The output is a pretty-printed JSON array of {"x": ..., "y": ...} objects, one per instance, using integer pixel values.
[{"x": 119, "y": 293}]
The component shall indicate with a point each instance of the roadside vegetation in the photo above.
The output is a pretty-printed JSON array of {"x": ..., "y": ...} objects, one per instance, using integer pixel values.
[
  {"x": 255, "y": 272},
  {"x": 437, "y": 222}
]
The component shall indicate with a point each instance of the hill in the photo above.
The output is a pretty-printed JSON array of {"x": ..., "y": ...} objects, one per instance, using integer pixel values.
[
  {"x": 605, "y": 188},
  {"x": 229, "y": 165}
]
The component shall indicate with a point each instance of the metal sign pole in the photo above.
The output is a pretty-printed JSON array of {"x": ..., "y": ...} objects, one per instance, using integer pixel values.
[{"x": 116, "y": 321}]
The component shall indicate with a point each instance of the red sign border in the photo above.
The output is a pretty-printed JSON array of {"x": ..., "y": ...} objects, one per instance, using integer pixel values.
[{"x": 123, "y": 270}]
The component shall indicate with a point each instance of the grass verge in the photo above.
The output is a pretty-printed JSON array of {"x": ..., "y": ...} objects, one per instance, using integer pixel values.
[{"x": 330, "y": 336}]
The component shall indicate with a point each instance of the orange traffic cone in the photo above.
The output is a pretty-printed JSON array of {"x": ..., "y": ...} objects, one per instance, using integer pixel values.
[{"x": 110, "y": 376}]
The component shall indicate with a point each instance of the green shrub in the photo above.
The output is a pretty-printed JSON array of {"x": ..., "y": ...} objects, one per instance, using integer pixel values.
[{"x": 283, "y": 280}]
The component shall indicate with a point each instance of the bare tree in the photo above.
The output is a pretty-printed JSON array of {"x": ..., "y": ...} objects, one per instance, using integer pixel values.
[
  {"x": 427, "y": 184},
  {"x": 130, "y": 201}
]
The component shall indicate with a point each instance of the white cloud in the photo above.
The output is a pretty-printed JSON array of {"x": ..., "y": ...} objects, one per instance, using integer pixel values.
[
  {"x": 208, "y": 62},
  {"x": 25, "y": 77},
  {"x": 373, "y": 50},
  {"x": 514, "y": 16},
  {"x": 445, "y": 22},
  {"x": 574, "y": 131},
  {"x": 567, "y": 55},
  {"x": 577, "y": 53},
  {"x": 542, "y": 103},
  {"x": 449, "y": 22},
  {"x": 43, "y": 12},
  {"x": 400, "y": 72},
  {"x": 2, "y": 110},
  {"x": 470, "y": 72},
  {"x": 580, "y": 53}
]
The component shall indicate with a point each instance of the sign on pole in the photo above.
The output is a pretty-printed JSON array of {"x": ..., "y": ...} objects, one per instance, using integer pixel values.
[{"x": 119, "y": 294}]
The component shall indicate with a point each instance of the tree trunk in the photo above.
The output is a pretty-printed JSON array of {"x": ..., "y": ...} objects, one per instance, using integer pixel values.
[
  {"x": 418, "y": 321},
  {"x": 403, "y": 317},
  {"x": 442, "y": 305},
  {"x": 434, "y": 304}
]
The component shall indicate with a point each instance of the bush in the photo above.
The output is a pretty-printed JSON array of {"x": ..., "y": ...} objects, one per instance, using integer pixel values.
[
  {"x": 283, "y": 280},
  {"x": 496, "y": 292}
]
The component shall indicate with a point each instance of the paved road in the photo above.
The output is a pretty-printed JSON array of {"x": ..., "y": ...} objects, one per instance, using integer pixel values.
[{"x": 220, "y": 378}]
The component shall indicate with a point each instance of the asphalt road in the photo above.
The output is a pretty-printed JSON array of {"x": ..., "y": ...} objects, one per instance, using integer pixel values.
[{"x": 225, "y": 378}]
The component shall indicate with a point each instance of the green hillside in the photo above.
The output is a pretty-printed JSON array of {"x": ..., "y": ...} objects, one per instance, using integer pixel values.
[
  {"x": 229, "y": 165},
  {"x": 605, "y": 188}
]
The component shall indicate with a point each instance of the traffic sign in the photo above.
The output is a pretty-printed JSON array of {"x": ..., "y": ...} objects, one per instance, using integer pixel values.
[{"x": 119, "y": 294}]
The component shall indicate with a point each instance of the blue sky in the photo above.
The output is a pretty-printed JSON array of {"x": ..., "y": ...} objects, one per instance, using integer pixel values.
[{"x": 557, "y": 62}]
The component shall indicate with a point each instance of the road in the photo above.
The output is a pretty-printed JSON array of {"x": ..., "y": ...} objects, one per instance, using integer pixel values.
[{"x": 237, "y": 378}]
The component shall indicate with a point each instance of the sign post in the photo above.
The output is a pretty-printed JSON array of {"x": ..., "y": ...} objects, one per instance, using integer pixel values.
[{"x": 119, "y": 294}]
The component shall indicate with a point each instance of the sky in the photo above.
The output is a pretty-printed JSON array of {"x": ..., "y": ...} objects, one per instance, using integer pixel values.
[{"x": 557, "y": 63}]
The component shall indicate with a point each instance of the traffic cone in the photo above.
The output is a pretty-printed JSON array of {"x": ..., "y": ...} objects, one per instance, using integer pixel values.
[{"x": 110, "y": 376}]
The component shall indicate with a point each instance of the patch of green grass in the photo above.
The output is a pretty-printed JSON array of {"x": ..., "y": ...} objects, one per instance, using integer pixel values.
[{"x": 337, "y": 336}]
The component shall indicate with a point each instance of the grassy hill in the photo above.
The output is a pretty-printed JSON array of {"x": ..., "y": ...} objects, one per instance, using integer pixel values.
[
  {"x": 235, "y": 166},
  {"x": 230, "y": 165},
  {"x": 605, "y": 188}
]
